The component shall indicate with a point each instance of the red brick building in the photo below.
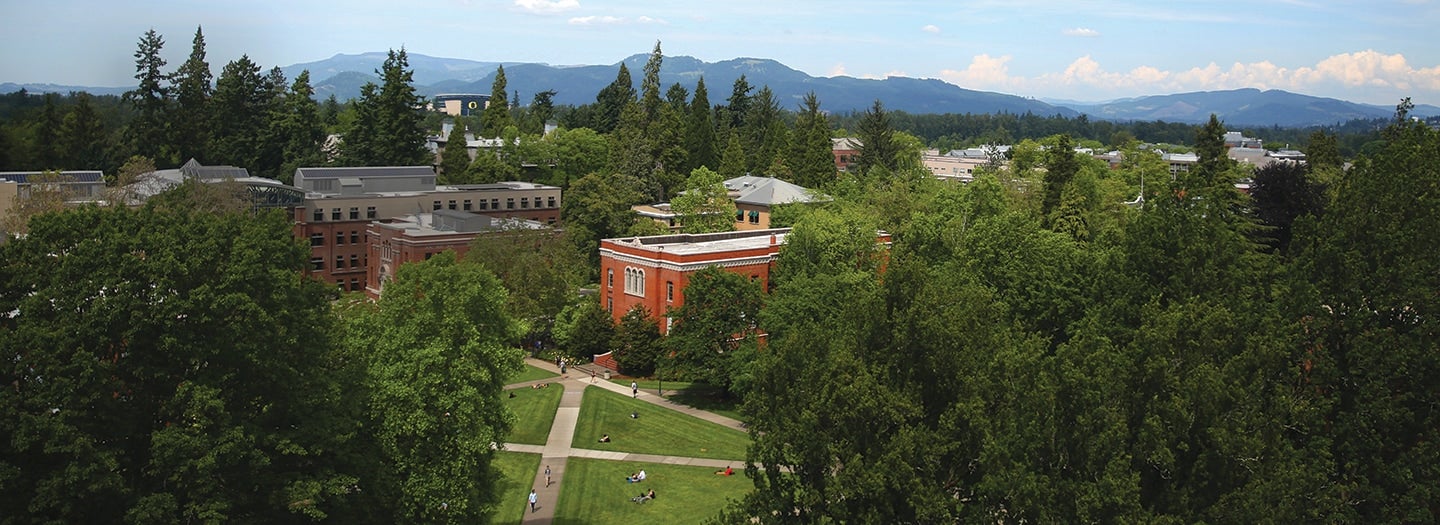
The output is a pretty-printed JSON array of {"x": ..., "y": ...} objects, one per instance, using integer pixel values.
[
  {"x": 653, "y": 271},
  {"x": 393, "y": 242}
]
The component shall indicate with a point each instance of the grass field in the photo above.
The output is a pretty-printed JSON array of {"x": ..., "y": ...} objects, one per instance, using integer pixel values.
[
  {"x": 658, "y": 430},
  {"x": 530, "y": 373},
  {"x": 595, "y": 492},
  {"x": 517, "y": 475},
  {"x": 695, "y": 395},
  {"x": 534, "y": 413}
]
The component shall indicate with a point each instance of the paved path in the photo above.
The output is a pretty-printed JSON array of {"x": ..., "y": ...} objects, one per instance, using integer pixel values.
[{"x": 558, "y": 446}]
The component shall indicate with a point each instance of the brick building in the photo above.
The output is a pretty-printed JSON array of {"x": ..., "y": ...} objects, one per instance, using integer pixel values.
[
  {"x": 396, "y": 241},
  {"x": 340, "y": 204},
  {"x": 653, "y": 271}
]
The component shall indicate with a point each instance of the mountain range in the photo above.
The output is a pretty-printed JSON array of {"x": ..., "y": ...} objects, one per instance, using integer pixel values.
[{"x": 342, "y": 75}]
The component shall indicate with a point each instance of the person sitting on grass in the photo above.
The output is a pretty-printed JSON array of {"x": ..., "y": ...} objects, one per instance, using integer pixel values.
[
  {"x": 728, "y": 471},
  {"x": 637, "y": 477},
  {"x": 605, "y": 438}
]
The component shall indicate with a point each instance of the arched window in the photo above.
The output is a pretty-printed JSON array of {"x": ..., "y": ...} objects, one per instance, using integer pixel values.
[{"x": 635, "y": 281}]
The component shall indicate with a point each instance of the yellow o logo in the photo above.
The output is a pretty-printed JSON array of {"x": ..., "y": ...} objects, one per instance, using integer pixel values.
[{"x": 474, "y": 104}]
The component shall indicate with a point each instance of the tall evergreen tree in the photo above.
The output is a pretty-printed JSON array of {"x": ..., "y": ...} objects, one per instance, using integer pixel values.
[
  {"x": 497, "y": 112},
  {"x": 811, "y": 154},
  {"x": 240, "y": 115},
  {"x": 650, "y": 100},
  {"x": 764, "y": 132},
  {"x": 151, "y": 99},
  {"x": 541, "y": 110},
  {"x": 388, "y": 130},
  {"x": 611, "y": 101},
  {"x": 877, "y": 140},
  {"x": 191, "y": 84},
  {"x": 300, "y": 131},
  {"x": 49, "y": 135},
  {"x": 85, "y": 138},
  {"x": 455, "y": 158},
  {"x": 700, "y": 131},
  {"x": 738, "y": 105},
  {"x": 732, "y": 163},
  {"x": 1060, "y": 168}
]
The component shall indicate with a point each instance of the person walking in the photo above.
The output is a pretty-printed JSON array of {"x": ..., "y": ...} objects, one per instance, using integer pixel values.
[
  {"x": 634, "y": 389},
  {"x": 532, "y": 501},
  {"x": 592, "y": 376},
  {"x": 547, "y": 475}
]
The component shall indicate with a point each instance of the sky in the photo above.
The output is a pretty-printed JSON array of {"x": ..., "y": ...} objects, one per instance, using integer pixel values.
[{"x": 1371, "y": 51}]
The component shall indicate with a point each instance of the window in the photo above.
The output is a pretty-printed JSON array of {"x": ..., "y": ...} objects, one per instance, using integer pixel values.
[
  {"x": 754, "y": 217},
  {"x": 317, "y": 264},
  {"x": 669, "y": 321},
  {"x": 339, "y": 238},
  {"x": 429, "y": 255},
  {"x": 317, "y": 239},
  {"x": 550, "y": 202},
  {"x": 335, "y": 214},
  {"x": 739, "y": 215},
  {"x": 437, "y": 205},
  {"x": 484, "y": 204},
  {"x": 467, "y": 204},
  {"x": 355, "y": 285},
  {"x": 452, "y": 205},
  {"x": 340, "y": 283},
  {"x": 509, "y": 204},
  {"x": 354, "y": 214},
  {"x": 635, "y": 281},
  {"x": 354, "y": 261},
  {"x": 524, "y": 202},
  {"x": 369, "y": 212},
  {"x": 319, "y": 215},
  {"x": 669, "y": 291},
  {"x": 609, "y": 305},
  {"x": 354, "y": 236},
  {"x": 494, "y": 204},
  {"x": 610, "y": 278},
  {"x": 339, "y": 262}
]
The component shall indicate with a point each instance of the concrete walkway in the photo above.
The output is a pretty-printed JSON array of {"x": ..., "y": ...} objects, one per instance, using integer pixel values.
[{"x": 558, "y": 446}]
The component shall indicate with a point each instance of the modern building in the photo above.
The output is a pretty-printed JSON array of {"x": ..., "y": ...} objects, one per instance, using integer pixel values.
[
  {"x": 955, "y": 168},
  {"x": 340, "y": 204},
  {"x": 262, "y": 192},
  {"x": 77, "y": 187},
  {"x": 653, "y": 271},
  {"x": 396, "y": 241},
  {"x": 460, "y": 103}
]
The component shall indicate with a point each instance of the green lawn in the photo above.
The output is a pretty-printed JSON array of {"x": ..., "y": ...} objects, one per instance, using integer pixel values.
[
  {"x": 517, "y": 475},
  {"x": 658, "y": 430},
  {"x": 695, "y": 395},
  {"x": 595, "y": 492},
  {"x": 534, "y": 413},
  {"x": 530, "y": 373}
]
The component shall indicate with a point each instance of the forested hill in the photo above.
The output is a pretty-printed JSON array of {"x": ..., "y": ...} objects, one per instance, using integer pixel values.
[
  {"x": 578, "y": 84},
  {"x": 1244, "y": 107}
]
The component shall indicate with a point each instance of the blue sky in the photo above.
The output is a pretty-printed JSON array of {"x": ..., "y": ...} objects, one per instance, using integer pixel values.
[{"x": 1373, "y": 51}]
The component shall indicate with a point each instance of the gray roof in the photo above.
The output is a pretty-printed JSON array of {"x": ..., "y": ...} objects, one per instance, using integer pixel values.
[
  {"x": 192, "y": 168},
  {"x": 767, "y": 191},
  {"x": 365, "y": 171}
]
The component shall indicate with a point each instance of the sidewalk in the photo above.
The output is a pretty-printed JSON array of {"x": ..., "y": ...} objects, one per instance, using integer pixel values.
[{"x": 582, "y": 373}]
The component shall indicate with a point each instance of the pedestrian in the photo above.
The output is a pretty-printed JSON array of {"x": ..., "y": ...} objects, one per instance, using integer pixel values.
[
  {"x": 634, "y": 389},
  {"x": 592, "y": 375},
  {"x": 532, "y": 500},
  {"x": 547, "y": 475}
]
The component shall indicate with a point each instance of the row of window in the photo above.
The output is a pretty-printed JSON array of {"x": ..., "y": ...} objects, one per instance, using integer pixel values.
[
  {"x": 492, "y": 204},
  {"x": 318, "y": 214},
  {"x": 318, "y": 239},
  {"x": 754, "y": 216},
  {"x": 318, "y": 263},
  {"x": 635, "y": 283},
  {"x": 355, "y": 285}
]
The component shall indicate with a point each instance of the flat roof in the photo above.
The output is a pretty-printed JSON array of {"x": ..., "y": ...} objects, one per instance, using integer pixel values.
[{"x": 689, "y": 244}]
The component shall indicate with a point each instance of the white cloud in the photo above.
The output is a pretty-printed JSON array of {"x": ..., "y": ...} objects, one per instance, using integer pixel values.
[
  {"x": 931, "y": 28},
  {"x": 595, "y": 20},
  {"x": 838, "y": 70},
  {"x": 545, "y": 7},
  {"x": 1081, "y": 32},
  {"x": 1364, "y": 69},
  {"x": 613, "y": 20}
]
